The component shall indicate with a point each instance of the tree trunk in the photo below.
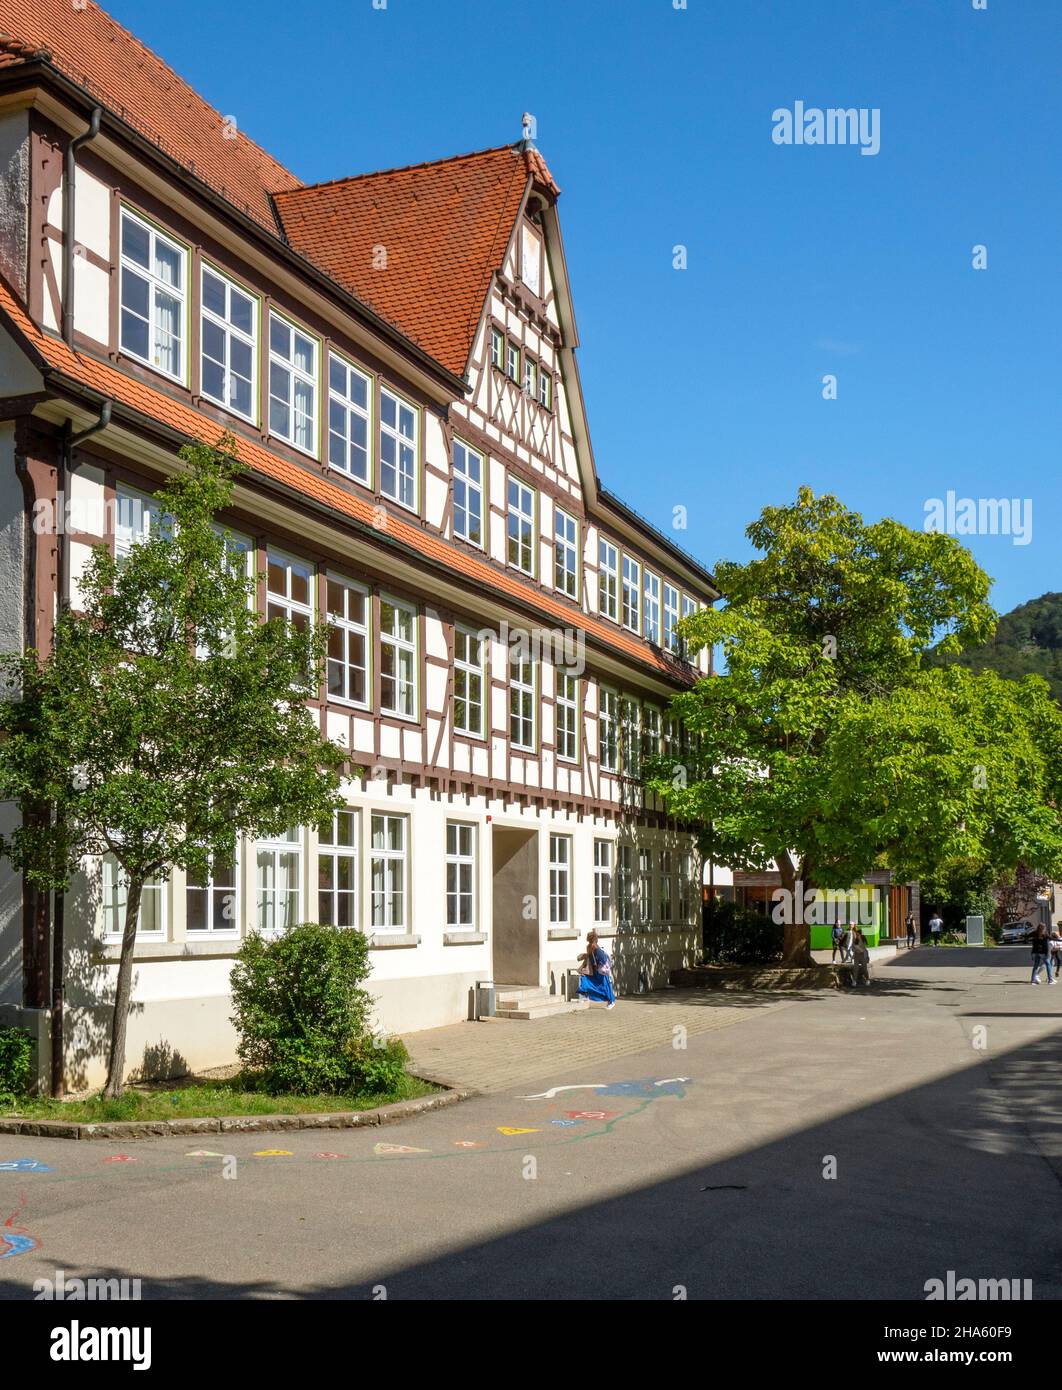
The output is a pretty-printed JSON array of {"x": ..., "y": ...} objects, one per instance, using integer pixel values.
[
  {"x": 796, "y": 949},
  {"x": 116, "y": 1066}
]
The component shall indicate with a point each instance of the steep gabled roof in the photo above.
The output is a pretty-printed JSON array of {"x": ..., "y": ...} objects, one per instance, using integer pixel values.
[
  {"x": 419, "y": 244},
  {"x": 91, "y": 49}
]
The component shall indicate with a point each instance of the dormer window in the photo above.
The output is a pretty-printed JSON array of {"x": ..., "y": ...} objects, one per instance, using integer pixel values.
[{"x": 531, "y": 260}]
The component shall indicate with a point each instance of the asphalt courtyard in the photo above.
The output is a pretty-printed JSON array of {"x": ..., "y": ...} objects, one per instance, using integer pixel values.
[{"x": 842, "y": 1146}]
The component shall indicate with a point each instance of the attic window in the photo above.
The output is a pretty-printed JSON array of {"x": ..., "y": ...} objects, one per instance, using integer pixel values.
[{"x": 531, "y": 260}]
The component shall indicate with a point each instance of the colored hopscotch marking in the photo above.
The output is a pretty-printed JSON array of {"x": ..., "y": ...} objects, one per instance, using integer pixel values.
[
  {"x": 397, "y": 1149},
  {"x": 565, "y": 1124},
  {"x": 467, "y": 1144},
  {"x": 512, "y": 1129},
  {"x": 15, "y": 1239},
  {"x": 120, "y": 1158},
  {"x": 204, "y": 1153},
  {"x": 647, "y": 1087},
  {"x": 23, "y": 1165},
  {"x": 325, "y": 1155},
  {"x": 591, "y": 1114},
  {"x": 273, "y": 1153}
]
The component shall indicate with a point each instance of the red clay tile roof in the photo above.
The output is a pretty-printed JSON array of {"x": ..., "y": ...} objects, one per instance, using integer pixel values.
[
  {"x": 477, "y": 574},
  {"x": 444, "y": 227},
  {"x": 94, "y": 51}
]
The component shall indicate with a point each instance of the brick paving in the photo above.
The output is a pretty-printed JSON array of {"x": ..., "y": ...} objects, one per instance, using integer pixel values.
[{"x": 497, "y": 1054}]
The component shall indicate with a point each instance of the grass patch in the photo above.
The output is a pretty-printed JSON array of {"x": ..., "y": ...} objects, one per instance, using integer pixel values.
[{"x": 239, "y": 1095}]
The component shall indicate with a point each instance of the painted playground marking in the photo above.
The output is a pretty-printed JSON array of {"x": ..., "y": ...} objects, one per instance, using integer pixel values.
[
  {"x": 15, "y": 1239},
  {"x": 612, "y": 1088},
  {"x": 23, "y": 1165}
]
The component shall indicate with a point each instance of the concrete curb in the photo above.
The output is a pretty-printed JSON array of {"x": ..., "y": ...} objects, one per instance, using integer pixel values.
[{"x": 234, "y": 1124}]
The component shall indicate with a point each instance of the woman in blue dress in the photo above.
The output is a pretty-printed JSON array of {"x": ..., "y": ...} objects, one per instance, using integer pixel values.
[{"x": 596, "y": 983}]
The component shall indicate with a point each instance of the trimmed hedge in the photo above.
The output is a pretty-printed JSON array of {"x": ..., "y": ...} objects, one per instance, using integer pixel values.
[
  {"x": 741, "y": 936},
  {"x": 16, "y": 1061}
]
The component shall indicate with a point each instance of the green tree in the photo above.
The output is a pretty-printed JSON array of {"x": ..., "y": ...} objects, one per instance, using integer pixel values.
[
  {"x": 824, "y": 749},
  {"x": 167, "y": 720}
]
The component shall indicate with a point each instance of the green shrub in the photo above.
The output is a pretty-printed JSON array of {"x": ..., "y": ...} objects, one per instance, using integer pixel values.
[
  {"x": 299, "y": 1008},
  {"x": 736, "y": 935},
  {"x": 377, "y": 1064},
  {"x": 16, "y": 1061}
]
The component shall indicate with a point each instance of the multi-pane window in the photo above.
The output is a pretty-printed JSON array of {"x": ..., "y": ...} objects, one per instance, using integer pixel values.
[
  {"x": 632, "y": 587},
  {"x": 520, "y": 526},
  {"x": 603, "y": 881},
  {"x": 153, "y": 297},
  {"x": 651, "y": 608},
  {"x": 211, "y": 896},
  {"x": 337, "y": 870},
  {"x": 469, "y": 653},
  {"x": 530, "y": 377},
  {"x": 671, "y": 617},
  {"x": 348, "y": 641},
  {"x": 279, "y": 881},
  {"x": 389, "y": 872},
  {"x": 689, "y": 606},
  {"x": 645, "y": 885},
  {"x": 460, "y": 875},
  {"x": 630, "y": 737},
  {"x": 545, "y": 389},
  {"x": 565, "y": 551},
  {"x": 398, "y": 658},
  {"x": 115, "y": 896},
  {"x": 398, "y": 450},
  {"x": 512, "y": 361},
  {"x": 650, "y": 732},
  {"x": 567, "y": 716},
  {"x": 229, "y": 348},
  {"x": 497, "y": 348},
  {"x": 667, "y": 886},
  {"x": 292, "y": 384},
  {"x": 349, "y": 393},
  {"x": 135, "y": 518},
  {"x": 289, "y": 590},
  {"x": 608, "y": 580},
  {"x": 625, "y": 883},
  {"x": 608, "y": 730},
  {"x": 560, "y": 880},
  {"x": 468, "y": 493},
  {"x": 521, "y": 703}
]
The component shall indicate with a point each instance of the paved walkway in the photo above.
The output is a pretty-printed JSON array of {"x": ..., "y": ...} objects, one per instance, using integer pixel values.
[{"x": 499, "y": 1053}]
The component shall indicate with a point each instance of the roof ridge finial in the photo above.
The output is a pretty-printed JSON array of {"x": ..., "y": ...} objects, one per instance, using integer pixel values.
[{"x": 530, "y": 131}]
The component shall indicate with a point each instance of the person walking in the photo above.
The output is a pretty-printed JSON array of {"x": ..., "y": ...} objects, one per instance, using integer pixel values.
[
  {"x": 936, "y": 926},
  {"x": 846, "y": 943},
  {"x": 837, "y": 936},
  {"x": 595, "y": 973},
  {"x": 861, "y": 959},
  {"x": 1041, "y": 955},
  {"x": 910, "y": 931},
  {"x": 1054, "y": 945}
]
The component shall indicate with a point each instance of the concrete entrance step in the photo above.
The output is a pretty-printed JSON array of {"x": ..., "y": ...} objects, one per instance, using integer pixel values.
[{"x": 533, "y": 1001}]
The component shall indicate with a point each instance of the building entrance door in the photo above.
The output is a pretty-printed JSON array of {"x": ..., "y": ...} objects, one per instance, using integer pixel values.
[{"x": 514, "y": 913}]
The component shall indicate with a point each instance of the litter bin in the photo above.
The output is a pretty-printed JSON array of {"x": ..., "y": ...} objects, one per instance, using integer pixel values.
[{"x": 485, "y": 999}]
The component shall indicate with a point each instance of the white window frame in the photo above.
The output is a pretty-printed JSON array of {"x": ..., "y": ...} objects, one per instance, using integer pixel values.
[
  {"x": 560, "y": 881},
  {"x": 210, "y": 889},
  {"x": 296, "y": 374},
  {"x": 402, "y": 646},
  {"x": 466, "y": 670},
  {"x": 522, "y": 512},
  {"x": 651, "y": 607},
  {"x": 565, "y": 553},
  {"x": 289, "y": 607},
  {"x": 667, "y": 888},
  {"x": 289, "y": 843},
  {"x": 465, "y": 867},
  {"x": 608, "y": 579},
  {"x": 465, "y": 489},
  {"x": 545, "y": 388},
  {"x": 350, "y": 629},
  {"x": 645, "y": 886},
  {"x": 114, "y": 886},
  {"x": 625, "y": 884},
  {"x": 650, "y": 731},
  {"x": 530, "y": 377},
  {"x": 689, "y": 606},
  {"x": 351, "y": 409},
  {"x": 497, "y": 349},
  {"x": 156, "y": 286},
  {"x": 603, "y": 887},
  {"x": 567, "y": 705},
  {"x": 384, "y": 897},
  {"x": 608, "y": 739},
  {"x": 672, "y": 600},
  {"x": 231, "y": 333},
  {"x": 401, "y": 441},
  {"x": 512, "y": 360},
  {"x": 333, "y": 851},
  {"x": 522, "y": 688},
  {"x": 630, "y": 737},
  {"x": 126, "y": 538},
  {"x": 631, "y": 582}
]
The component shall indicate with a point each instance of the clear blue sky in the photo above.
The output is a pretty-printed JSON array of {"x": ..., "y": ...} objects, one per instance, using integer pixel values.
[{"x": 704, "y": 386}]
